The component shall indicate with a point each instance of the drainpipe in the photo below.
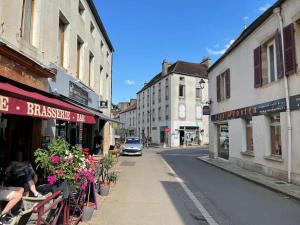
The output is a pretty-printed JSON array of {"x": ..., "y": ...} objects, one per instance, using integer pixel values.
[{"x": 287, "y": 97}]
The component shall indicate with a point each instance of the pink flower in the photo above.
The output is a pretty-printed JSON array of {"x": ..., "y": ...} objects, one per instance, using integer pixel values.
[
  {"x": 76, "y": 176},
  {"x": 51, "y": 180},
  {"x": 84, "y": 185},
  {"x": 55, "y": 159}
]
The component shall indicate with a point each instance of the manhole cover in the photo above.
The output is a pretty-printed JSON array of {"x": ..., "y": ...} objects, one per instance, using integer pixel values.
[
  {"x": 279, "y": 182},
  {"x": 127, "y": 163}
]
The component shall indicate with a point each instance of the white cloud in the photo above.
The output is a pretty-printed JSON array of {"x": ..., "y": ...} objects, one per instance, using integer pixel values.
[
  {"x": 264, "y": 7},
  {"x": 220, "y": 52},
  {"x": 245, "y": 18},
  {"x": 129, "y": 82}
]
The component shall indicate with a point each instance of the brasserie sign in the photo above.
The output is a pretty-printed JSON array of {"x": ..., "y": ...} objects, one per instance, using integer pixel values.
[{"x": 16, "y": 106}]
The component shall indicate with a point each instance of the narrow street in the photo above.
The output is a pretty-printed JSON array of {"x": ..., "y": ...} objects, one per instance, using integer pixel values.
[
  {"x": 148, "y": 192},
  {"x": 231, "y": 200}
]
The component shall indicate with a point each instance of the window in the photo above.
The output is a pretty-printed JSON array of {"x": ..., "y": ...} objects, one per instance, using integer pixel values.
[
  {"x": 249, "y": 135},
  {"x": 275, "y": 135},
  {"x": 79, "y": 47},
  {"x": 159, "y": 92},
  {"x": 159, "y": 113},
  {"x": 167, "y": 112},
  {"x": 182, "y": 111},
  {"x": 198, "y": 92},
  {"x": 181, "y": 90},
  {"x": 81, "y": 8},
  {"x": 181, "y": 78},
  {"x": 153, "y": 95},
  {"x": 92, "y": 28},
  {"x": 272, "y": 70},
  {"x": 167, "y": 89},
  {"x": 101, "y": 70},
  {"x": 61, "y": 40},
  {"x": 101, "y": 45},
  {"x": 268, "y": 58},
  {"x": 153, "y": 115},
  {"x": 199, "y": 112},
  {"x": 91, "y": 65},
  {"x": 107, "y": 54},
  {"x": 27, "y": 20},
  {"x": 223, "y": 86}
]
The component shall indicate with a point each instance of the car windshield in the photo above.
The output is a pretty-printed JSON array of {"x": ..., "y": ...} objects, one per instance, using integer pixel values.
[{"x": 132, "y": 141}]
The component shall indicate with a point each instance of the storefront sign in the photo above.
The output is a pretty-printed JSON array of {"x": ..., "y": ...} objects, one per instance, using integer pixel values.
[
  {"x": 20, "y": 107},
  {"x": 206, "y": 110},
  {"x": 256, "y": 110},
  {"x": 103, "y": 104},
  {"x": 78, "y": 94}
]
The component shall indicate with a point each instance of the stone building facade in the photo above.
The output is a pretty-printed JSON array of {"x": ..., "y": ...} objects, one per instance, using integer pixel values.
[
  {"x": 69, "y": 38},
  {"x": 254, "y": 88},
  {"x": 169, "y": 107}
]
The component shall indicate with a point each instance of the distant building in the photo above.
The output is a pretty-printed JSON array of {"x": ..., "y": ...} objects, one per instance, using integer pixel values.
[
  {"x": 249, "y": 88},
  {"x": 128, "y": 120},
  {"x": 169, "y": 107}
]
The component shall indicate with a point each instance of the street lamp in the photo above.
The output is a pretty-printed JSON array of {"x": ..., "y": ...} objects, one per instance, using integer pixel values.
[{"x": 202, "y": 82}]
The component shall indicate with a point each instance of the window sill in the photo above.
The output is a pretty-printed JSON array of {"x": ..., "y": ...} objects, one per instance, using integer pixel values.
[
  {"x": 248, "y": 153},
  {"x": 274, "y": 158}
]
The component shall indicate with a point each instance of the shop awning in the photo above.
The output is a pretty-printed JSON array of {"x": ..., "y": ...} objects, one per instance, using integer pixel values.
[{"x": 14, "y": 100}]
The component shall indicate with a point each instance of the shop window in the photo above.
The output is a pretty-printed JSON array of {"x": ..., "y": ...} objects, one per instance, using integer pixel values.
[
  {"x": 275, "y": 135},
  {"x": 27, "y": 20},
  {"x": 249, "y": 135}
]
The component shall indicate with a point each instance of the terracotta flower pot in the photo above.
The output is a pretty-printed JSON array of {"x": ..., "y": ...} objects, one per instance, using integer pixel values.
[{"x": 88, "y": 211}]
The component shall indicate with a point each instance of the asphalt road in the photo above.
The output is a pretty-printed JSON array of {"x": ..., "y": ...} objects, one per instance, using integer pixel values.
[{"x": 230, "y": 199}]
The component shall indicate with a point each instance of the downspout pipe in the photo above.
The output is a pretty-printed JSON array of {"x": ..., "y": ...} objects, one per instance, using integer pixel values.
[{"x": 277, "y": 11}]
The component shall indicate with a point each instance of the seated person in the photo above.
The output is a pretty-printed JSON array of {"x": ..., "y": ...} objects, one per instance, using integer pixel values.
[
  {"x": 21, "y": 174},
  {"x": 11, "y": 194}
]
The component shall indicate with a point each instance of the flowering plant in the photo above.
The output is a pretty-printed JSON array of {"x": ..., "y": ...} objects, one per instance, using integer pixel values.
[{"x": 62, "y": 162}]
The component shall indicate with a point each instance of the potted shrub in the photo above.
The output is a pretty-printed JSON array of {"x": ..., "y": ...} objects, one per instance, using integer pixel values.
[
  {"x": 89, "y": 207},
  {"x": 105, "y": 175}
]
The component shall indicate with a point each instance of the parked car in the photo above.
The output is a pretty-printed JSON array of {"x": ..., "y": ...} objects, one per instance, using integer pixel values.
[{"x": 132, "y": 146}]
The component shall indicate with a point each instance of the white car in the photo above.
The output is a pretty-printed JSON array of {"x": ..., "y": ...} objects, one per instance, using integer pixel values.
[{"x": 132, "y": 146}]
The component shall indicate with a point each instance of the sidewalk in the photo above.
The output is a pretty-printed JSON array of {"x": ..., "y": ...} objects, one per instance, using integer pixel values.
[
  {"x": 145, "y": 194},
  {"x": 290, "y": 190}
]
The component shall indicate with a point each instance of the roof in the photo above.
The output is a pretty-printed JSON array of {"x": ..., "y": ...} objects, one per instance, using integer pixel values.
[
  {"x": 180, "y": 67},
  {"x": 100, "y": 24},
  {"x": 130, "y": 108},
  {"x": 247, "y": 32}
]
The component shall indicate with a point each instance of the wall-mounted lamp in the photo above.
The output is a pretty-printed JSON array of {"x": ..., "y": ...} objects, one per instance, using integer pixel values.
[{"x": 202, "y": 82}]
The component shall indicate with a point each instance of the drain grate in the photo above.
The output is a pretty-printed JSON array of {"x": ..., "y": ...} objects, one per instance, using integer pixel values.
[{"x": 127, "y": 163}]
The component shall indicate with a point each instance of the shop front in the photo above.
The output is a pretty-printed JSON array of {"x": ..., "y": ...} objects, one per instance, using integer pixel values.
[
  {"x": 189, "y": 135},
  {"x": 23, "y": 120}
]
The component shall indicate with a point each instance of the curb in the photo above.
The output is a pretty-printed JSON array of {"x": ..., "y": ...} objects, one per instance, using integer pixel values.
[{"x": 268, "y": 186}]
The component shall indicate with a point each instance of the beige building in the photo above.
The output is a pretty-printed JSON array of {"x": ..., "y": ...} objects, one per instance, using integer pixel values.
[
  {"x": 169, "y": 107},
  {"x": 69, "y": 37},
  {"x": 253, "y": 86},
  {"x": 128, "y": 123}
]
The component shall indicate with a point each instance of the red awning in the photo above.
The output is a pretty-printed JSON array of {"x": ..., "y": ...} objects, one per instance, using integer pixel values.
[{"x": 14, "y": 100}]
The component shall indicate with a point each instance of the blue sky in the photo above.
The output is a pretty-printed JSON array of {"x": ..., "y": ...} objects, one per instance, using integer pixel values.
[{"x": 144, "y": 32}]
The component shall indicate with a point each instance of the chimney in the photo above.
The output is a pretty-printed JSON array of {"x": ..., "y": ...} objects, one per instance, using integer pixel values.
[
  {"x": 206, "y": 61},
  {"x": 165, "y": 66}
]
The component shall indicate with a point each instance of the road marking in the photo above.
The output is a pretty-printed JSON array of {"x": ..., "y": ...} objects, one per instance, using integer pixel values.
[{"x": 193, "y": 198}]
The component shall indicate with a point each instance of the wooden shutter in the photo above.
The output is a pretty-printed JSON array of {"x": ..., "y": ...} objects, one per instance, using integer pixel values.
[
  {"x": 257, "y": 68},
  {"x": 227, "y": 83},
  {"x": 218, "y": 88},
  {"x": 289, "y": 50},
  {"x": 279, "y": 54}
]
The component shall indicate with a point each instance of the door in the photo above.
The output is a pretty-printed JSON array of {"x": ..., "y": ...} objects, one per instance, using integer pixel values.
[{"x": 223, "y": 141}]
